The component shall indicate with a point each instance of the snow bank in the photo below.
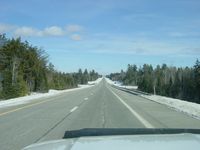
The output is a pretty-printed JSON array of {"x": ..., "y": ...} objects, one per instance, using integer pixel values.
[
  {"x": 83, "y": 85},
  {"x": 189, "y": 108},
  {"x": 129, "y": 87},
  {"x": 95, "y": 82},
  {"x": 192, "y": 109},
  {"x": 119, "y": 84},
  {"x": 34, "y": 95},
  {"x": 109, "y": 81}
]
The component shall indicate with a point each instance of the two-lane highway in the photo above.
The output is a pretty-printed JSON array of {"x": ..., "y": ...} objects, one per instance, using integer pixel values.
[{"x": 100, "y": 106}]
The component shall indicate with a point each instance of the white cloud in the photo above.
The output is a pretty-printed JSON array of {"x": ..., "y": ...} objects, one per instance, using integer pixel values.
[
  {"x": 69, "y": 31},
  {"x": 53, "y": 31},
  {"x": 27, "y": 31},
  {"x": 5, "y": 28},
  {"x": 49, "y": 31},
  {"x": 76, "y": 37},
  {"x": 74, "y": 28}
]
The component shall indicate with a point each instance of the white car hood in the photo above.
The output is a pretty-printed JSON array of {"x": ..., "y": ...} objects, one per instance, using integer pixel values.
[{"x": 131, "y": 142}]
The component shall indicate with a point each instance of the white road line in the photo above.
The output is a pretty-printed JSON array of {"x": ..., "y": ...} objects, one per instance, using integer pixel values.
[
  {"x": 73, "y": 109},
  {"x": 139, "y": 117},
  {"x": 85, "y": 98}
]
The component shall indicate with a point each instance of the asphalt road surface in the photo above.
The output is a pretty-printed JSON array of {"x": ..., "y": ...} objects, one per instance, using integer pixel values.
[{"x": 100, "y": 106}]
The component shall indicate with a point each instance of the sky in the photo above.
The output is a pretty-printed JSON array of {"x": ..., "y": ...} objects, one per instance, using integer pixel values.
[{"x": 107, "y": 35}]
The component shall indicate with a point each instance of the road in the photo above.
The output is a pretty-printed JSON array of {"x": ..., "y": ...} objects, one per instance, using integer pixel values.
[{"x": 100, "y": 106}]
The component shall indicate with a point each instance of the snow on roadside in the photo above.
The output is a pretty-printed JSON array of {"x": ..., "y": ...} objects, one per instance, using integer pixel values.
[
  {"x": 35, "y": 96},
  {"x": 192, "y": 109},
  {"x": 109, "y": 81},
  {"x": 95, "y": 82},
  {"x": 119, "y": 84},
  {"x": 83, "y": 85},
  {"x": 129, "y": 87}
]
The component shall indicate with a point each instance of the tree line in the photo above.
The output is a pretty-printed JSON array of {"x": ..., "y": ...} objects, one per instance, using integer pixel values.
[
  {"x": 25, "y": 68},
  {"x": 177, "y": 82}
]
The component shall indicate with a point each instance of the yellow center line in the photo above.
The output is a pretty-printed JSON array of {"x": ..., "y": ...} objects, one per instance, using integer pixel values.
[{"x": 27, "y": 106}]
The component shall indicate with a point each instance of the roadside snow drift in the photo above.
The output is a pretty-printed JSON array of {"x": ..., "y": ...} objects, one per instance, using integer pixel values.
[
  {"x": 119, "y": 84},
  {"x": 95, "y": 82},
  {"x": 34, "y": 96},
  {"x": 192, "y": 109}
]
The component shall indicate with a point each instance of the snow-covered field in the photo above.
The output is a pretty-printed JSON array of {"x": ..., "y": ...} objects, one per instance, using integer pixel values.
[
  {"x": 192, "y": 109},
  {"x": 35, "y": 96}
]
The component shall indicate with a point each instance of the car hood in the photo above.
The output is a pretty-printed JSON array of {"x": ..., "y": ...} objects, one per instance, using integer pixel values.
[{"x": 129, "y": 142}]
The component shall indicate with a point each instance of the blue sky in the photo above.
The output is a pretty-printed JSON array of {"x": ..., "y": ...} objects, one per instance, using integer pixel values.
[{"x": 106, "y": 35}]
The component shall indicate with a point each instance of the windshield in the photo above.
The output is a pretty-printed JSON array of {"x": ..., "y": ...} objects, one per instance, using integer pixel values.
[{"x": 70, "y": 65}]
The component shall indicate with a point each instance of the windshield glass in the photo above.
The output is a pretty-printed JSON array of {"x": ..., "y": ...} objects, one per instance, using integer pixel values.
[{"x": 70, "y": 65}]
